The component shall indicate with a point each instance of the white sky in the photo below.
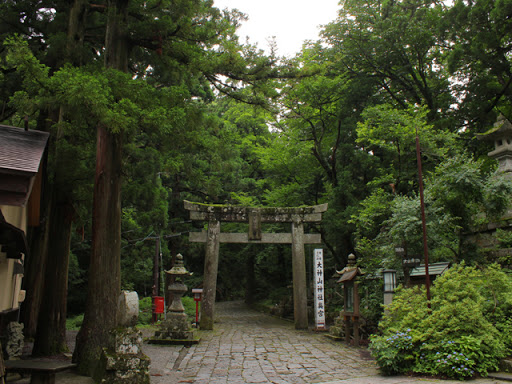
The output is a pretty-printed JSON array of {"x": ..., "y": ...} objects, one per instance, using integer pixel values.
[{"x": 290, "y": 21}]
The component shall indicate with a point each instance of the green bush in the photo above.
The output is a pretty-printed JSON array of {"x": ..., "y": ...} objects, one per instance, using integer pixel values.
[
  {"x": 145, "y": 311},
  {"x": 466, "y": 331},
  {"x": 74, "y": 323},
  {"x": 190, "y": 306},
  {"x": 394, "y": 353}
]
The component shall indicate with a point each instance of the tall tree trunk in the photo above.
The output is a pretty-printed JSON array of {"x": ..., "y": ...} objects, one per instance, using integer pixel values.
[
  {"x": 33, "y": 281},
  {"x": 116, "y": 39},
  {"x": 76, "y": 32},
  {"x": 50, "y": 336},
  {"x": 101, "y": 312},
  {"x": 104, "y": 284},
  {"x": 51, "y": 326}
]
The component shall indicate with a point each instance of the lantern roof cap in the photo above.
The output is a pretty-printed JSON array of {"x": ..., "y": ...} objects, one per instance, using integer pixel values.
[
  {"x": 178, "y": 269},
  {"x": 502, "y": 127},
  {"x": 351, "y": 271},
  {"x": 350, "y": 275}
]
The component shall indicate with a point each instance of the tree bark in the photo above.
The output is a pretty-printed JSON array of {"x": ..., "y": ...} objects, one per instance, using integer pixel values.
[
  {"x": 101, "y": 312},
  {"x": 105, "y": 265},
  {"x": 76, "y": 32},
  {"x": 50, "y": 335},
  {"x": 51, "y": 326},
  {"x": 116, "y": 39},
  {"x": 33, "y": 281}
]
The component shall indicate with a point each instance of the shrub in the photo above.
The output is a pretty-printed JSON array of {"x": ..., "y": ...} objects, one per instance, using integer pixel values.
[
  {"x": 394, "y": 353},
  {"x": 74, "y": 323},
  {"x": 190, "y": 306},
  {"x": 145, "y": 311},
  {"x": 460, "y": 335}
]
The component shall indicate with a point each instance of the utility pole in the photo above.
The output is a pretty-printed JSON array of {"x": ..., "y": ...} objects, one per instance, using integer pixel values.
[
  {"x": 156, "y": 280},
  {"x": 423, "y": 220}
]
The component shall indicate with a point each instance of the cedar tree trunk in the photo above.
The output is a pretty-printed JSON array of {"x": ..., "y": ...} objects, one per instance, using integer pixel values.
[
  {"x": 104, "y": 287},
  {"x": 50, "y": 338},
  {"x": 51, "y": 326},
  {"x": 105, "y": 265}
]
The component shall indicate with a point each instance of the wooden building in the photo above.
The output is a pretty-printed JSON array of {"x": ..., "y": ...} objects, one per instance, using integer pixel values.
[
  {"x": 418, "y": 274},
  {"x": 21, "y": 156}
]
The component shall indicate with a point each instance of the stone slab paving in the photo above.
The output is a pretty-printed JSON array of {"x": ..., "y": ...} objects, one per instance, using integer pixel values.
[{"x": 249, "y": 347}]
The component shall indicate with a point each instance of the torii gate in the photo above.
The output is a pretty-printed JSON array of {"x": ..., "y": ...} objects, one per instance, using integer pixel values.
[{"x": 215, "y": 214}]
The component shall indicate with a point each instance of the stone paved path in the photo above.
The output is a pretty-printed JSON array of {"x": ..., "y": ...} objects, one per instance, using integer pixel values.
[{"x": 249, "y": 347}]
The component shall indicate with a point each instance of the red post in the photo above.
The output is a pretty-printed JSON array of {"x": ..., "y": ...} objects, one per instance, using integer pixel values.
[{"x": 197, "y": 298}]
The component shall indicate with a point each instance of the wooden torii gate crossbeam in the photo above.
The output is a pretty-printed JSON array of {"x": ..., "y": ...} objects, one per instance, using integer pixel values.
[{"x": 215, "y": 214}]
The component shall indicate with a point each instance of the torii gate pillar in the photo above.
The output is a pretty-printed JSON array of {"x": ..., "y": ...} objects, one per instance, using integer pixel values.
[
  {"x": 214, "y": 214},
  {"x": 300, "y": 302},
  {"x": 211, "y": 267}
]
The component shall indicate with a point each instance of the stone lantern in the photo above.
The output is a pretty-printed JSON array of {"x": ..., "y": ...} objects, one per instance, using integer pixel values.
[
  {"x": 176, "y": 311},
  {"x": 484, "y": 236},
  {"x": 176, "y": 329},
  {"x": 501, "y": 134}
]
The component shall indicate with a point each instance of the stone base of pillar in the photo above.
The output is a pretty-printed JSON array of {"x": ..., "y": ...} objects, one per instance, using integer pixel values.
[
  {"x": 126, "y": 364},
  {"x": 14, "y": 341}
]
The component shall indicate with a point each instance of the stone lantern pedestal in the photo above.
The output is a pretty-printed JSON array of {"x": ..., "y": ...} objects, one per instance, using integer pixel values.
[{"x": 176, "y": 328}]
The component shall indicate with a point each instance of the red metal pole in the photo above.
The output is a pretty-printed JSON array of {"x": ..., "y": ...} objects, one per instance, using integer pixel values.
[
  {"x": 197, "y": 312},
  {"x": 423, "y": 220}
]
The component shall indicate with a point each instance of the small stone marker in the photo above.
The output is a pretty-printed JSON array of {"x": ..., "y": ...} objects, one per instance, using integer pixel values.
[
  {"x": 125, "y": 363},
  {"x": 128, "y": 308}
]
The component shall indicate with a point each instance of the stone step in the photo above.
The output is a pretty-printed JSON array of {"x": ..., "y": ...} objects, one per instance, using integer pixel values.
[
  {"x": 501, "y": 376},
  {"x": 506, "y": 365}
]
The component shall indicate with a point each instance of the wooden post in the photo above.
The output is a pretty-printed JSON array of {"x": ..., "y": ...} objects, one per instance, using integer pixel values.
[
  {"x": 355, "y": 325},
  {"x": 300, "y": 305},
  {"x": 347, "y": 329},
  {"x": 156, "y": 269},
  {"x": 211, "y": 264},
  {"x": 356, "y": 314},
  {"x": 156, "y": 279},
  {"x": 2, "y": 367}
]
